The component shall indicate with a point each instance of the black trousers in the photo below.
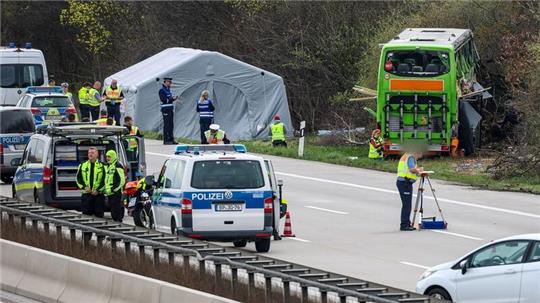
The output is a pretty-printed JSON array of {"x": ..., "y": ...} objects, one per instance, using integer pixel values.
[
  {"x": 405, "y": 189},
  {"x": 117, "y": 207},
  {"x": 93, "y": 205},
  {"x": 279, "y": 143},
  {"x": 113, "y": 111},
  {"x": 85, "y": 111},
  {"x": 168, "y": 124},
  {"x": 205, "y": 125},
  {"x": 94, "y": 111}
]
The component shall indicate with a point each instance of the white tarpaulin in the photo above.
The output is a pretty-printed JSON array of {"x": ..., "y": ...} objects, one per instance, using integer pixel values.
[{"x": 245, "y": 97}]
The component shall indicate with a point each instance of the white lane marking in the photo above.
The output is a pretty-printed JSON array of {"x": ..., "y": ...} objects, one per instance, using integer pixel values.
[
  {"x": 297, "y": 239},
  {"x": 449, "y": 201},
  {"x": 328, "y": 210},
  {"x": 414, "y": 265},
  {"x": 457, "y": 235}
]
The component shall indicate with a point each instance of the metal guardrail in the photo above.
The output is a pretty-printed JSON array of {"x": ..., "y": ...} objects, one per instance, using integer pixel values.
[{"x": 325, "y": 282}]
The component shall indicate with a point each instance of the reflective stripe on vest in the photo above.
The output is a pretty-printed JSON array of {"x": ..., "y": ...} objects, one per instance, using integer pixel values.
[
  {"x": 216, "y": 138},
  {"x": 278, "y": 131},
  {"x": 204, "y": 109},
  {"x": 403, "y": 170},
  {"x": 99, "y": 171},
  {"x": 375, "y": 153},
  {"x": 92, "y": 101},
  {"x": 113, "y": 94},
  {"x": 132, "y": 142}
]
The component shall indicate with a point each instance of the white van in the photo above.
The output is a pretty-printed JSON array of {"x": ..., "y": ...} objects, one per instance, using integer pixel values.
[{"x": 20, "y": 68}]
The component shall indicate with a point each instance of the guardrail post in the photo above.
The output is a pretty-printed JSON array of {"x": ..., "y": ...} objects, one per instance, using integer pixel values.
[
  {"x": 305, "y": 293},
  {"x": 46, "y": 227},
  {"x": 218, "y": 275},
  {"x": 11, "y": 218},
  {"x": 202, "y": 268},
  {"x": 58, "y": 236},
  {"x": 156, "y": 256},
  {"x": 127, "y": 248},
  {"x": 87, "y": 235},
  {"x": 171, "y": 258},
  {"x": 34, "y": 225},
  {"x": 141, "y": 253},
  {"x": 324, "y": 295},
  {"x": 100, "y": 239},
  {"x": 186, "y": 266},
  {"x": 286, "y": 290},
  {"x": 251, "y": 285},
  {"x": 72, "y": 234},
  {"x": 23, "y": 223},
  {"x": 343, "y": 298},
  {"x": 268, "y": 289},
  {"x": 234, "y": 280},
  {"x": 113, "y": 246}
]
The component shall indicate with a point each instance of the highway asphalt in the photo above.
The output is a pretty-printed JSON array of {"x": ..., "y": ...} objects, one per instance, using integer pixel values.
[{"x": 347, "y": 220}]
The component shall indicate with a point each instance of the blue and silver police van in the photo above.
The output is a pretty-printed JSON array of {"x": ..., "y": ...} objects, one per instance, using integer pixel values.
[
  {"x": 217, "y": 193},
  {"x": 16, "y": 128}
]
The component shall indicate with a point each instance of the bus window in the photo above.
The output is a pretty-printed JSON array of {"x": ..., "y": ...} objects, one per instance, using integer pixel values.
[{"x": 417, "y": 63}]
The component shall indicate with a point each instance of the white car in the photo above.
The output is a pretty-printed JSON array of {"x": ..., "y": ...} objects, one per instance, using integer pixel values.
[{"x": 503, "y": 271}]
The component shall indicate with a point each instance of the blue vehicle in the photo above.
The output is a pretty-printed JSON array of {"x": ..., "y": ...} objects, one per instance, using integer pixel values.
[
  {"x": 48, "y": 104},
  {"x": 217, "y": 193},
  {"x": 16, "y": 127}
]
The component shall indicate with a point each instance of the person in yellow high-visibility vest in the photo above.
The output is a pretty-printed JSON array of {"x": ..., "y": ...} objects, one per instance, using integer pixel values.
[
  {"x": 94, "y": 100},
  {"x": 406, "y": 176},
  {"x": 83, "y": 100},
  {"x": 113, "y": 99},
  {"x": 133, "y": 143},
  {"x": 215, "y": 135},
  {"x": 277, "y": 132},
  {"x": 102, "y": 118},
  {"x": 376, "y": 145}
]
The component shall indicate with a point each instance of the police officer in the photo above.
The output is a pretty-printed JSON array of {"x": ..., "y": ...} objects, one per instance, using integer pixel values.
[
  {"x": 83, "y": 100},
  {"x": 133, "y": 143},
  {"x": 114, "y": 185},
  {"x": 113, "y": 99},
  {"x": 167, "y": 110},
  {"x": 277, "y": 131},
  {"x": 406, "y": 176},
  {"x": 94, "y": 100},
  {"x": 102, "y": 118},
  {"x": 215, "y": 135},
  {"x": 205, "y": 108},
  {"x": 91, "y": 180},
  {"x": 376, "y": 145}
]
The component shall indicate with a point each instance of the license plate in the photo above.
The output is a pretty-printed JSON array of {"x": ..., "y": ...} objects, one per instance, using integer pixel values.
[
  {"x": 53, "y": 118},
  {"x": 132, "y": 201},
  {"x": 229, "y": 207}
]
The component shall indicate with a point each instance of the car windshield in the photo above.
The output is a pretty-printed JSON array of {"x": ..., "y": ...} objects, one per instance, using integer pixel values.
[
  {"x": 16, "y": 121},
  {"x": 49, "y": 101},
  {"x": 417, "y": 63},
  {"x": 227, "y": 174},
  {"x": 21, "y": 75}
]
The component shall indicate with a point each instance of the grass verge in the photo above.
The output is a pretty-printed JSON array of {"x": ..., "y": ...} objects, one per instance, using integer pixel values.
[{"x": 468, "y": 171}]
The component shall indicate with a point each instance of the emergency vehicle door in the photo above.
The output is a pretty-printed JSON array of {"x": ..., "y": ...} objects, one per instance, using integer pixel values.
[
  {"x": 275, "y": 191},
  {"x": 134, "y": 147}
]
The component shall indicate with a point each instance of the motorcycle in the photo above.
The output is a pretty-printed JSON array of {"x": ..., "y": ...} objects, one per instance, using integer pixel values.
[{"x": 138, "y": 202}]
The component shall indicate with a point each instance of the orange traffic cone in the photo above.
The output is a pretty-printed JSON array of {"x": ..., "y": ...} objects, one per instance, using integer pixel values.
[{"x": 288, "y": 227}]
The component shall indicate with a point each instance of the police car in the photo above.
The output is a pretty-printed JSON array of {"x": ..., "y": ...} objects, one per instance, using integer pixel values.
[
  {"x": 48, "y": 168},
  {"x": 217, "y": 193},
  {"x": 16, "y": 127},
  {"x": 48, "y": 104}
]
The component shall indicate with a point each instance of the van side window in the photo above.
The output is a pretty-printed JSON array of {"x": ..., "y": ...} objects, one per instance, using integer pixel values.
[
  {"x": 170, "y": 172},
  {"x": 28, "y": 152},
  {"x": 179, "y": 176},
  {"x": 39, "y": 151}
]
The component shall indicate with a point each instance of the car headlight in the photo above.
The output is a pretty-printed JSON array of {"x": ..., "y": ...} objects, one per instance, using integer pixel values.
[{"x": 426, "y": 274}]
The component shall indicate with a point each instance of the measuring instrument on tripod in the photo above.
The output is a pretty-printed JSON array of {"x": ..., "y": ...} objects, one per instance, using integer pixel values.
[{"x": 419, "y": 221}]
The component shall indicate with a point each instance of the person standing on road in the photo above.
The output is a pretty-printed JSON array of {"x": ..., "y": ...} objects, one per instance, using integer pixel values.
[
  {"x": 114, "y": 184},
  {"x": 205, "y": 108},
  {"x": 406, "y": 176},
  {"x": 278, "y": 131},
  {"x": 133, "y": 143},
  {"x": 167, "y": 110},
  {"x": 91, "y": 180},
  {"x": 376, "y": 145},
  {"x": 94, "y": 100},
  {"x": 113, "y": 99},
  {"x": 83, "y": 100}
]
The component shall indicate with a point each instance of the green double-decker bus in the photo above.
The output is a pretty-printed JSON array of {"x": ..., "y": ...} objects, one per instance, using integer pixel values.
[{"x": 424, "y": 75}]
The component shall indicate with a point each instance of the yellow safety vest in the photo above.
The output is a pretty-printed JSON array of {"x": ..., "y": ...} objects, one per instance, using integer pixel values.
[
  {"x": 216, "y": 138},
  {"x": 83, "y": 96},
  {"x": 113, "y": 94},
  {"x": 404, "y": 169},
  {"x": 91, "y": 97},
  {"x": 99, "y": 172},
  {"x": 102, "y": 121},
  {"x": 69, "y": 94},
  {"x": 375, "y": 153},
  {"x": 278, "y": 132},
  {"x": 132, "y": 142}
]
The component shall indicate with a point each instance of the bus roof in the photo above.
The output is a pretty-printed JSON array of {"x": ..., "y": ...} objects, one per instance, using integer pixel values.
[{"x": 454, "y": 37}]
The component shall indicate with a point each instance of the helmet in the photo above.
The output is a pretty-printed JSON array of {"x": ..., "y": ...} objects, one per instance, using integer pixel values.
[{"x": 131, "y": 188}]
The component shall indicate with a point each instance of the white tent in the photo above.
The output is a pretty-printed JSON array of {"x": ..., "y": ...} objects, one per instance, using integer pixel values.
[{"x": 245, "y": 97}]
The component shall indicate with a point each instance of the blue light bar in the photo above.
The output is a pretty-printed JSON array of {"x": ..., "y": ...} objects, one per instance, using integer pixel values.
[
  {"x": 28, "y": 45},
  {"x": 12, "y": 45},
  {"x": 44, "y": 89},
  {"x": 198, "y": 148}
]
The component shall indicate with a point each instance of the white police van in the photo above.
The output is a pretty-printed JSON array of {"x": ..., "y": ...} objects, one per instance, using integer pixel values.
[{"x": 217, "y": 193}]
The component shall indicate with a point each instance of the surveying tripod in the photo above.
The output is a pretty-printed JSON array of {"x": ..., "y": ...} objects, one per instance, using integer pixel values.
[{"x": 419, "y": 206}]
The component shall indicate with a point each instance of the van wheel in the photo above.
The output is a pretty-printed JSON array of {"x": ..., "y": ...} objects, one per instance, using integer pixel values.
[
  {"x": 262, "y": 245},
  {"x": 240, "y": 243},
  {"x": 439, "y": 293},
  {"x": 173, "y": 226}
]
